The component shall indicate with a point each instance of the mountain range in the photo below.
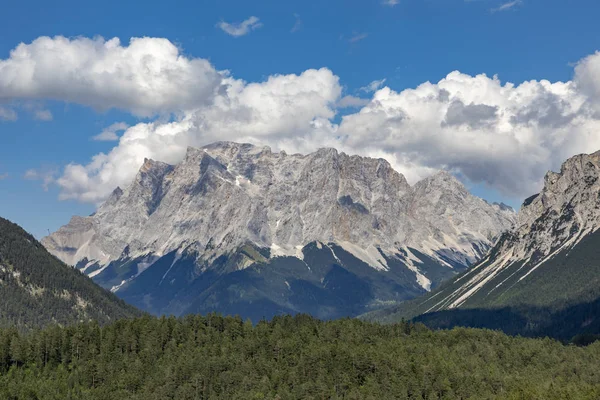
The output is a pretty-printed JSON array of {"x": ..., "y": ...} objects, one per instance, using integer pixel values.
[
  {"x": 542, "y": 277},
  {"x": 241, "y": 229}
]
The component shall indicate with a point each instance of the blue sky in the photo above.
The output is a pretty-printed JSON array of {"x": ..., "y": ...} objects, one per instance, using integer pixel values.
[{"x": 359, "y": 41}]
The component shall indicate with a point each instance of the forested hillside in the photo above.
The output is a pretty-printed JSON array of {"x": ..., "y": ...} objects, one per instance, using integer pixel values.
[
  {"x": 288, "y": 358},
  {"x": 37, "y": 289}
]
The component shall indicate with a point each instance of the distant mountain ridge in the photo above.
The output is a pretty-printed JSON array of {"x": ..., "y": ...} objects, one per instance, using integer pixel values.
[
  {"x": 237, "y": 208},
  {"x": 548, "y": 264},
  {"x": 37, "y": 289}
]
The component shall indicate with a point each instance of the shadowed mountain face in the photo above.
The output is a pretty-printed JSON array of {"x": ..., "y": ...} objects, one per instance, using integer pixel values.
[
  {"x": 37, "y": 289},
  {"x": 237, "y": 228},
  {"x": 542, "y": 278}
]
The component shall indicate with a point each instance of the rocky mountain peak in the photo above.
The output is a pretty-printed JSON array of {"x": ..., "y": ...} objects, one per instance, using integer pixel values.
[
  {"x": 442, "y": 180},
  {"x": 326, "y": 152},
  {"x": 571, "y": 194},
  {"x": 231, "y": 194},
  {"x": 541, "y": 278},
  {"x": 550, "y": 224},
  {"x": 324, "y": 232},
  {"x": 114, "y": 197},
  {"x": 503, "y": 207}
]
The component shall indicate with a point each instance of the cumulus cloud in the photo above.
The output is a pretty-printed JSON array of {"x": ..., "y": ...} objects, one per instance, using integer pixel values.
[
  {"x": 587, "y": 76},
  {"x": 240, "y": 28},
  {"x": 495, "y": 133},
  {"x": 485, "y": 130},
  {"x": 110, "y": 133},
  {"x": 499, "y": 134},
  {"x": 148, "y": 76},
  {"x": 472, "y": 115},
  {"x": 286, "y": 110},
  {"x": 373, "y": 86}
]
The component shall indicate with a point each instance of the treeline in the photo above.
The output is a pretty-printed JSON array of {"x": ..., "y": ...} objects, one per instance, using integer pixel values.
[
  {"x": 560, "y": 300},
  {"x": 576, "y": 324},
  {"x": 216, "y": 357}
]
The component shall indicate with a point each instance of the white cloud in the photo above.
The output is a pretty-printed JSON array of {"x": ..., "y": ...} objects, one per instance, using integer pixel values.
[
  {"x": 390, "y": 3},
  {"x": 241, "y": 28},
  {"x": 373, "y": 86},
  {"x": 587, "y": 76},
  {"x": 286, "y": 110},
  {"x": 507, "y": 6},
  {"x": 42, "y": 115},
  {"x": 500, "y": 134},
  {"x": 7, "y": 114},
  {"x": 3, "y": 176},
  {"x": 490, "y": 132},
  {"x": 149, "y": 76},
  {"x": 110, "y": 133}
]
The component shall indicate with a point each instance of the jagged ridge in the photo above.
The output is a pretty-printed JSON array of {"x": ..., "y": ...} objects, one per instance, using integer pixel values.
[{"x": 225, "y": 196}]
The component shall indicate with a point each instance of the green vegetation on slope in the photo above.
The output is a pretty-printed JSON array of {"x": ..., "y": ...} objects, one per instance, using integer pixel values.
[
  {"x": 37, "y": 289},
  {"x": 288, "y": 358},
  {"x": 561, "y": 299},
  {"x": 328, "y": 283}
]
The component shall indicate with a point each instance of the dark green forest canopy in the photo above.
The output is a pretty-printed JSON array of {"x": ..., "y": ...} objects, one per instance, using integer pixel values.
[
  {"x": 36, "y": 289},
  {"x": 297, "y": 357}
]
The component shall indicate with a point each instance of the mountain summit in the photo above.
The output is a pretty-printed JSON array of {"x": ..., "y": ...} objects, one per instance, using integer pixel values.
[
  {"x": 543, "y": 277},
  {"x": 230, "y": 210}
]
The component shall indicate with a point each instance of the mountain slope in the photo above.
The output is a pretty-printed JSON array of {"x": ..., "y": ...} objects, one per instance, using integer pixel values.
[
  {"x": 37, "y": 289},
  {"x": 238, "y": 228},
  {"x": 541, "y": 278}
]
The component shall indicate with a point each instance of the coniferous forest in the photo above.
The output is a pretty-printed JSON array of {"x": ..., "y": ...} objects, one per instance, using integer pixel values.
[
  {"x": 52, "y": 347},
  {"x": 216, "y": 357},
  {"x": 36, "y": 289}
]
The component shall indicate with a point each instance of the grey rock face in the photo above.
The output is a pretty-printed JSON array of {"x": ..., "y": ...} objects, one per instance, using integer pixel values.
[
  {"x": 549, "y": 228},
  {"x": 227, "y": 195},
  {"x": 563, "y": 213}
]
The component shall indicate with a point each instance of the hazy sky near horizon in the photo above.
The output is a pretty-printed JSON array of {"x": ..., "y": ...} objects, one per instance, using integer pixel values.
[{"x": 498, "y": 92}]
